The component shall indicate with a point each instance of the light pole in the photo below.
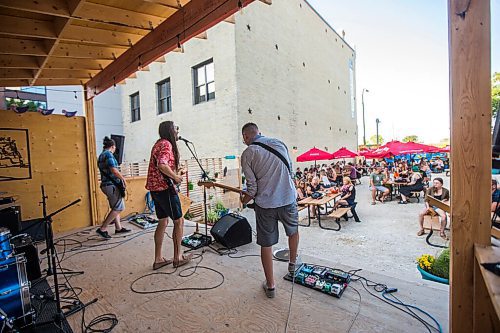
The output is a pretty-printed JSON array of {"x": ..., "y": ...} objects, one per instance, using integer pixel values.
[
  {"x": 363, "y": 105},
  {"x": 377, "y": 121}
]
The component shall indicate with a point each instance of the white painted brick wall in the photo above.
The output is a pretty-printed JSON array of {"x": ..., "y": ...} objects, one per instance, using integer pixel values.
[{"x": 251, "y": 73}]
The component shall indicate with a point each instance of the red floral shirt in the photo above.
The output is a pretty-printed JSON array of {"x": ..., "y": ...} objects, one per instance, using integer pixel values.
[{"x": 161, "y": 153}]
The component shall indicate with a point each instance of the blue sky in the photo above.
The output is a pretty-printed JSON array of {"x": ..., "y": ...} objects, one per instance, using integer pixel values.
[{"x": 402, "y": 59}]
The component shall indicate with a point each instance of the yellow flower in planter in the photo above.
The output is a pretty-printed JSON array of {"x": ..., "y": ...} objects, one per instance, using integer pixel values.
[{"x": 425, "y": 261}]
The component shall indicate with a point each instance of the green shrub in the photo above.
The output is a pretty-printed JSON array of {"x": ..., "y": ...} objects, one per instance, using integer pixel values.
[{"x": 441, "y": 266}]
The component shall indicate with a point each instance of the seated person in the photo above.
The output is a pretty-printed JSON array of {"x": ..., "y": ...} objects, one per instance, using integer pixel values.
[
  {"x": 314, "y": 186},
  {"x": 495, "y": 196},
  {"x": 415, "y": 185},
  {"x": 324, "y": 179},
  {"x": 353, "y": 174},
  {"x": 377, "y": 182},
  {"x": 348, "y": 193},
  {"x": 298, "y": 173},
  {"x": 301, "y": 190},
  {"x": 439, "y": 192}
]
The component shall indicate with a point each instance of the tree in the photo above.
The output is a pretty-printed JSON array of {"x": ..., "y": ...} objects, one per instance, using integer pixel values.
[
  {"x": 495, "y": 94},
  {"x": 373, "y": 140},
  {"x": 412, "y": 138}
]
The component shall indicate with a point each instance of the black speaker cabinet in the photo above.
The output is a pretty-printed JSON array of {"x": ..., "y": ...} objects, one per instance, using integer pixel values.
[
  {"x": 232, "y": 231},
  {"x": 11, "y": 218},
  {"x": 120, "y": 142}
]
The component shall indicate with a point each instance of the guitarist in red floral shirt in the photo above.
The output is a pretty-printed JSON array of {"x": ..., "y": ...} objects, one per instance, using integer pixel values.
[{"x": 163, "y": 173}]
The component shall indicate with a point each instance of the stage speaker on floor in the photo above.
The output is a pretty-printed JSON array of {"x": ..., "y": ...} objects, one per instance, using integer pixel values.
[
  {"x": 232, "y": 231},
  {"x": 10, "y": 218},
  {"x": 120, "y": 142}
]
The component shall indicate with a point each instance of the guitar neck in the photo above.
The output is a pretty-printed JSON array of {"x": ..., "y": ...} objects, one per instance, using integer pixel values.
[{"x": 225, "y": 187}]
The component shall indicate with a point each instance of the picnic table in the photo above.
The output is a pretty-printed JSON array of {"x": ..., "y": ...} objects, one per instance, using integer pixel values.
[{"x": 316, "y": 203}]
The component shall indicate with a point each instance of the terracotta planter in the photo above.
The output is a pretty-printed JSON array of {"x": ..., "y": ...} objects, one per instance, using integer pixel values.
[{"x": 430, "y": 277}]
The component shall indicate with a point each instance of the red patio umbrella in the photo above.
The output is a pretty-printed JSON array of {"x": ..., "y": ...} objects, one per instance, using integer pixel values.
[
  {"x": 344, "y": 153},
  {"x": 381, "y": 152},
  {"x": 314, "y": 154},
  {"x": 445, "y": 149}
]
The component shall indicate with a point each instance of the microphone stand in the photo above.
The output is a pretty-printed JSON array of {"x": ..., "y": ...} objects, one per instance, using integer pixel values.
[
  {"x": 52, "y": 268},
  {"x": 205, "y": 177}
]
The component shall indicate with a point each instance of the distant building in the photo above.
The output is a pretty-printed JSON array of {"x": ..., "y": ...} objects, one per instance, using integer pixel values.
[
  {"x": 107, "y": 106},
  {"x": 280, "y": 66}
]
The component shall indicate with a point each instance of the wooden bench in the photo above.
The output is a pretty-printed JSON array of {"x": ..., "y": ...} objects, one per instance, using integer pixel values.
[{"x": 339, "y": 212}]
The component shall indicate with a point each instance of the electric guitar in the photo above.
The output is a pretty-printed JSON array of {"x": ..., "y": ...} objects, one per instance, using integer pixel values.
[{"x": 209, "y": 184}]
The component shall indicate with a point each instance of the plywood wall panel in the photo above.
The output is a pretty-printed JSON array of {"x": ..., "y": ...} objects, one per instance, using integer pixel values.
[{"x": 58, "y": 161}]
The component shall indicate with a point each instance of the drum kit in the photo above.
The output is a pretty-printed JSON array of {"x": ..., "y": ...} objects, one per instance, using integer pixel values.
[
  {"x": 19, "y": 267},
  {"x": 15, "y": 305}
]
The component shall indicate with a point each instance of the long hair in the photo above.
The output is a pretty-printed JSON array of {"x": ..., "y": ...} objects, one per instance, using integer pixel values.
[{"x": 167, "y": 132}]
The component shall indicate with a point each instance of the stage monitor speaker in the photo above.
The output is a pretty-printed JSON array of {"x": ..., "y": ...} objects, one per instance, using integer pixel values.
[
  {"x": 10, "y": 218},
  {"x": 120, "y": 142},
  {"x": 232, "y": 231}
]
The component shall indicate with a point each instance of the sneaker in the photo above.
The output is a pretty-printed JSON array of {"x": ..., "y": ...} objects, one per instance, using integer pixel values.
[
  {"x": 122, "y": 230},
  {"x": 270, "y": 292},
  {"x": 103, "y": 234}
]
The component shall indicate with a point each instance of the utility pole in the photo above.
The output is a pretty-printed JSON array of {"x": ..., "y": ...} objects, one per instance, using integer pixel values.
[{"x": 363, "y": 105}]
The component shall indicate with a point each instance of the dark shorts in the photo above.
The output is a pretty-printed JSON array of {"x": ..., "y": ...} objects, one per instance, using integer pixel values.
[
  {"x": 167, "y": 205},
  {"x": 267, "y": 223}
]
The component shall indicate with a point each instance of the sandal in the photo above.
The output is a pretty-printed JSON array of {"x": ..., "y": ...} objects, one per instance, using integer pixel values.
[
  {"x": 373, "y": 203},
  {"x": 185, "y": 260},
  {"x": 158, "y": 265},
  {"x": 443, "y": 235},
  {"x": 421, "y": 232}
]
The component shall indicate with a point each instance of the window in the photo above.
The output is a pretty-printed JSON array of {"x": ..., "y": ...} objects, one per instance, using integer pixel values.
[
  {"x": 204, "y": 82},
  {"x": 135, "y": 107},
  {"x": 164, "y": 96}
]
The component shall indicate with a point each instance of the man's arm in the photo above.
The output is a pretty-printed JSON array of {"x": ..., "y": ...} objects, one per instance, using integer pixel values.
[
  {"x": 251, "y": 180},
  {"x": 166, "y": 170},
  {"x": 117, "y": 173}
]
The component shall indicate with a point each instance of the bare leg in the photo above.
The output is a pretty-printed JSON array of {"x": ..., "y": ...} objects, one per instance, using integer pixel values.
[
  {"x": 374, "y": 193},
  {"x": 443, "y": 223},
  {"x": 177, "y": 238},
  {"x": 293, "y": 245},
  {"x": 111, "y": 216},
  {"x": 404, "y": 198},
  {"x": 118, "y": 225},
  {"x": 159, "y": 235},
  {"x": 266, "y": 256}
]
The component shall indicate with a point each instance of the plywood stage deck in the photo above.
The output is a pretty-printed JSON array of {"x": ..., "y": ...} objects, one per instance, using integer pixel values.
[{"x": 239, "y": 304}]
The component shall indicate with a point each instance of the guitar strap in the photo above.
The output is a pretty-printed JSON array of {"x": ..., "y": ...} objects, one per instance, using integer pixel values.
[{"x": 274, "y": 152}]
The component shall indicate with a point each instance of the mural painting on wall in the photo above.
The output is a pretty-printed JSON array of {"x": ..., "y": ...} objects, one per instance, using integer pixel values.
[{"x": 15, "y": 163}]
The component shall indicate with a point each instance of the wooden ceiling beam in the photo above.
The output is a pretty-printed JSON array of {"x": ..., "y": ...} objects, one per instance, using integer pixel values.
[
  {"x": 196, "y": 16},
  {"x": 60, "y": 82},
  {"x": 60, "y": 24},
  {"x": 99, "y": 36},
  {"x": 14, "y": 83},
  {"x": 8, "y": 61},
  {"x": 67, "y": 74},
  {"x": 71, "y": 50},
  {"x": 22, "y": 47},
  {"x": 26, "y": 27},
  {"x": 166, "y": 3},
  {"x": 75, "y": 64},
  {"x": 12, "y": 73},
  {"x": 52, "y": 7}
]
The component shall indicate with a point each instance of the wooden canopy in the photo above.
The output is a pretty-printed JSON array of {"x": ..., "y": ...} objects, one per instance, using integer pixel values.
[{"x": 97, "y": 43}]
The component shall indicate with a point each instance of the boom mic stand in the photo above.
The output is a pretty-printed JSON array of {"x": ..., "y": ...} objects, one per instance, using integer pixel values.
[
  {"x": 205, "y": 177},
  {"x": 51, "y": 262}
]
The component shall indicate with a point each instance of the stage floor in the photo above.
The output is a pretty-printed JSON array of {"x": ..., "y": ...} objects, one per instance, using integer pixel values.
[{"x": 239, "y": 303}]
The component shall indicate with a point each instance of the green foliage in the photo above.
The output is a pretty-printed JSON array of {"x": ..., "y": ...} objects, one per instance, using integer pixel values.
[
  {"x": 219, "y": 206},
  {"x": 410, "y": 138},
  {"x": 441, "y": 266},
  {"x": 373, "y": 140},
  {"x": 495, "y": 94},
  {"x": 188, "y": 215},
  {"x": 32, "y": 106},
  {"x": 212, "y": 216}
]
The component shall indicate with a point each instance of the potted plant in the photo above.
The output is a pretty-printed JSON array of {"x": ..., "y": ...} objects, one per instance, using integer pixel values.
[
  {"x": 435, "y": 269},
  {"x": 212, "y": 216}
]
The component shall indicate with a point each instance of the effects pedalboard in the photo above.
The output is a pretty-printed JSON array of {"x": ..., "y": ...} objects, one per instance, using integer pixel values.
[
  {"x": 196, "y": 240},
  {"x": 327, "y": 280}
]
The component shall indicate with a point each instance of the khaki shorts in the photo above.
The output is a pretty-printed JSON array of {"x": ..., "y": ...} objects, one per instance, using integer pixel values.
[
  {"x": 115, "y": 200},
  {"x": 267, "y": 223}
]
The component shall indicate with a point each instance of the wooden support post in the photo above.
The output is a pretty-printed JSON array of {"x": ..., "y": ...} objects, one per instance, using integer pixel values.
[
  {"x": 470, "y": 114},
  {"x": 92, "y": 159}
]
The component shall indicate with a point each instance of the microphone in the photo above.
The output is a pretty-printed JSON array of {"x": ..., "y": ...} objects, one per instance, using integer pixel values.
[{"x": 184, "y": 139}]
